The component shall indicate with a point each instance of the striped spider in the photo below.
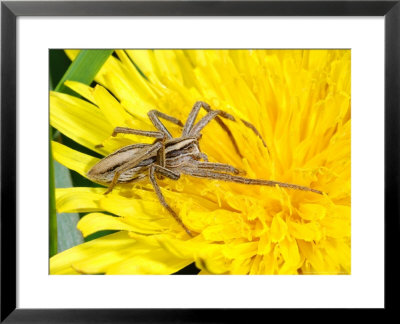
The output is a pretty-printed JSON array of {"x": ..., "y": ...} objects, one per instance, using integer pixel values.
[{"x": 170, "y": 157}]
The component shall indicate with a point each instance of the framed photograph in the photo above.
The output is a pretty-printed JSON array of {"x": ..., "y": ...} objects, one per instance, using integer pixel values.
[{"x": 193, "y": 155}]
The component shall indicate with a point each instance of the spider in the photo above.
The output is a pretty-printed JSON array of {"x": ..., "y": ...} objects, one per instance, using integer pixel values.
[{"x": 170, "y": 157}]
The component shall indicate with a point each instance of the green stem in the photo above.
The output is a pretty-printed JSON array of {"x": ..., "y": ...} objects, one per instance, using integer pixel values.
[{"x": 84, "y": 68}]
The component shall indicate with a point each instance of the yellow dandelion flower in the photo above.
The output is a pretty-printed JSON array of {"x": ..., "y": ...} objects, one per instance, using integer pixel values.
[{"x": 299, "y": 103}]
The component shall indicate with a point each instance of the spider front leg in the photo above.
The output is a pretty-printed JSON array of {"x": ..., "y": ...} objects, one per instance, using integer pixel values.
[
  {"x": 194, "y": 129},
  {"x": 155, "y": 115},
  {"x": 174, "y": 176},
  {"x": 195, "y": 111},
  {"x": 127, "y": 130},
  {"x": 190, "y": 128}
]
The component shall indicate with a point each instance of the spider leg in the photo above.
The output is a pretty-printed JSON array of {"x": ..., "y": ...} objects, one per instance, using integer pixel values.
[
  {"x": 195, "y": 111},
  {"x": 155, "y": 116},
  {"x": 189, "y": 127},
  {"x": 175, "y": 176},
  {"x": 222, "y": 167},
  {"x": 193, "y": 115},
  {"x": 161, "y": 159},
  {"x": 126, "y": 130},
  {"x": 196, "y": 129},
  {"x": 234, "y": 178},
  {"x": 126, "y": 166},
  {"x": 113, "y": 182},
  {"x": 251, "y": 126}
]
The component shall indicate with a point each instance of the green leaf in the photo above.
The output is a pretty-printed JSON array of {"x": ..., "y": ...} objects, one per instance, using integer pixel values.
[
  {"x": 84, "y": 68},
  {"x": 59, "y": 63},
  {"x": 68, "y": 234},
  {"x": 63, "y": 231},
  {"x": 52, "y": 204}
]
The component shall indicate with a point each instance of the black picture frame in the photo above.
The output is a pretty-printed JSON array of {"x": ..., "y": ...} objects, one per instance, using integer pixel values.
[{"x": 10, "y": 10}]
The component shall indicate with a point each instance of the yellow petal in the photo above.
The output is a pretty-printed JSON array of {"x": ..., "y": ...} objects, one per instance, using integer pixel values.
[
  {"x": 143, "y": 206},
  {"x": 264, "y": 244},
  {"x": 338, "y": 223},
  {"x": 142, "y": 215},
  {"x": 94, "y": 222},
  {"x": 240, "y": 250},
  {"x": 240, "y": 266},
  {"x": 72, "y": 54},
  {"x": 255, "y": 266},
  {"x": 340, "y": 253},
  {"x": 100, "y": 252},
  {"x": 179, "y": 248},
  {"x": 168, "y": 64},
  {"x": 72, "y": 159},
  {"x": 306, "y": 231},
  {"x": 211, "y": 260},
  {"x": 156, "y": 262},
  {"x": 139, "y": 84},
  {"x": 78, "y": 200},
  {"x": 160, "y": 259},
  {"x": 116, "y": 253},
  {"x": 317, "y": 262},
  {"x": 144, "y": 59},
  {"x": 312, "y": 211},
  {"x": 268, "y": 264},
  {"x": 290, "y": 253},
  {"x": 83, "y": 89},
  {"x": 111, "y": 108},
  {"x": 79, "y": 120},
  {"x": 278, "y": 228}
]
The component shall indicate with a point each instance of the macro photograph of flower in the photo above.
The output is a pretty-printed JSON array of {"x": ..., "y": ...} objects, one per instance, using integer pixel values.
[{"x": 229, "y": 162}]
